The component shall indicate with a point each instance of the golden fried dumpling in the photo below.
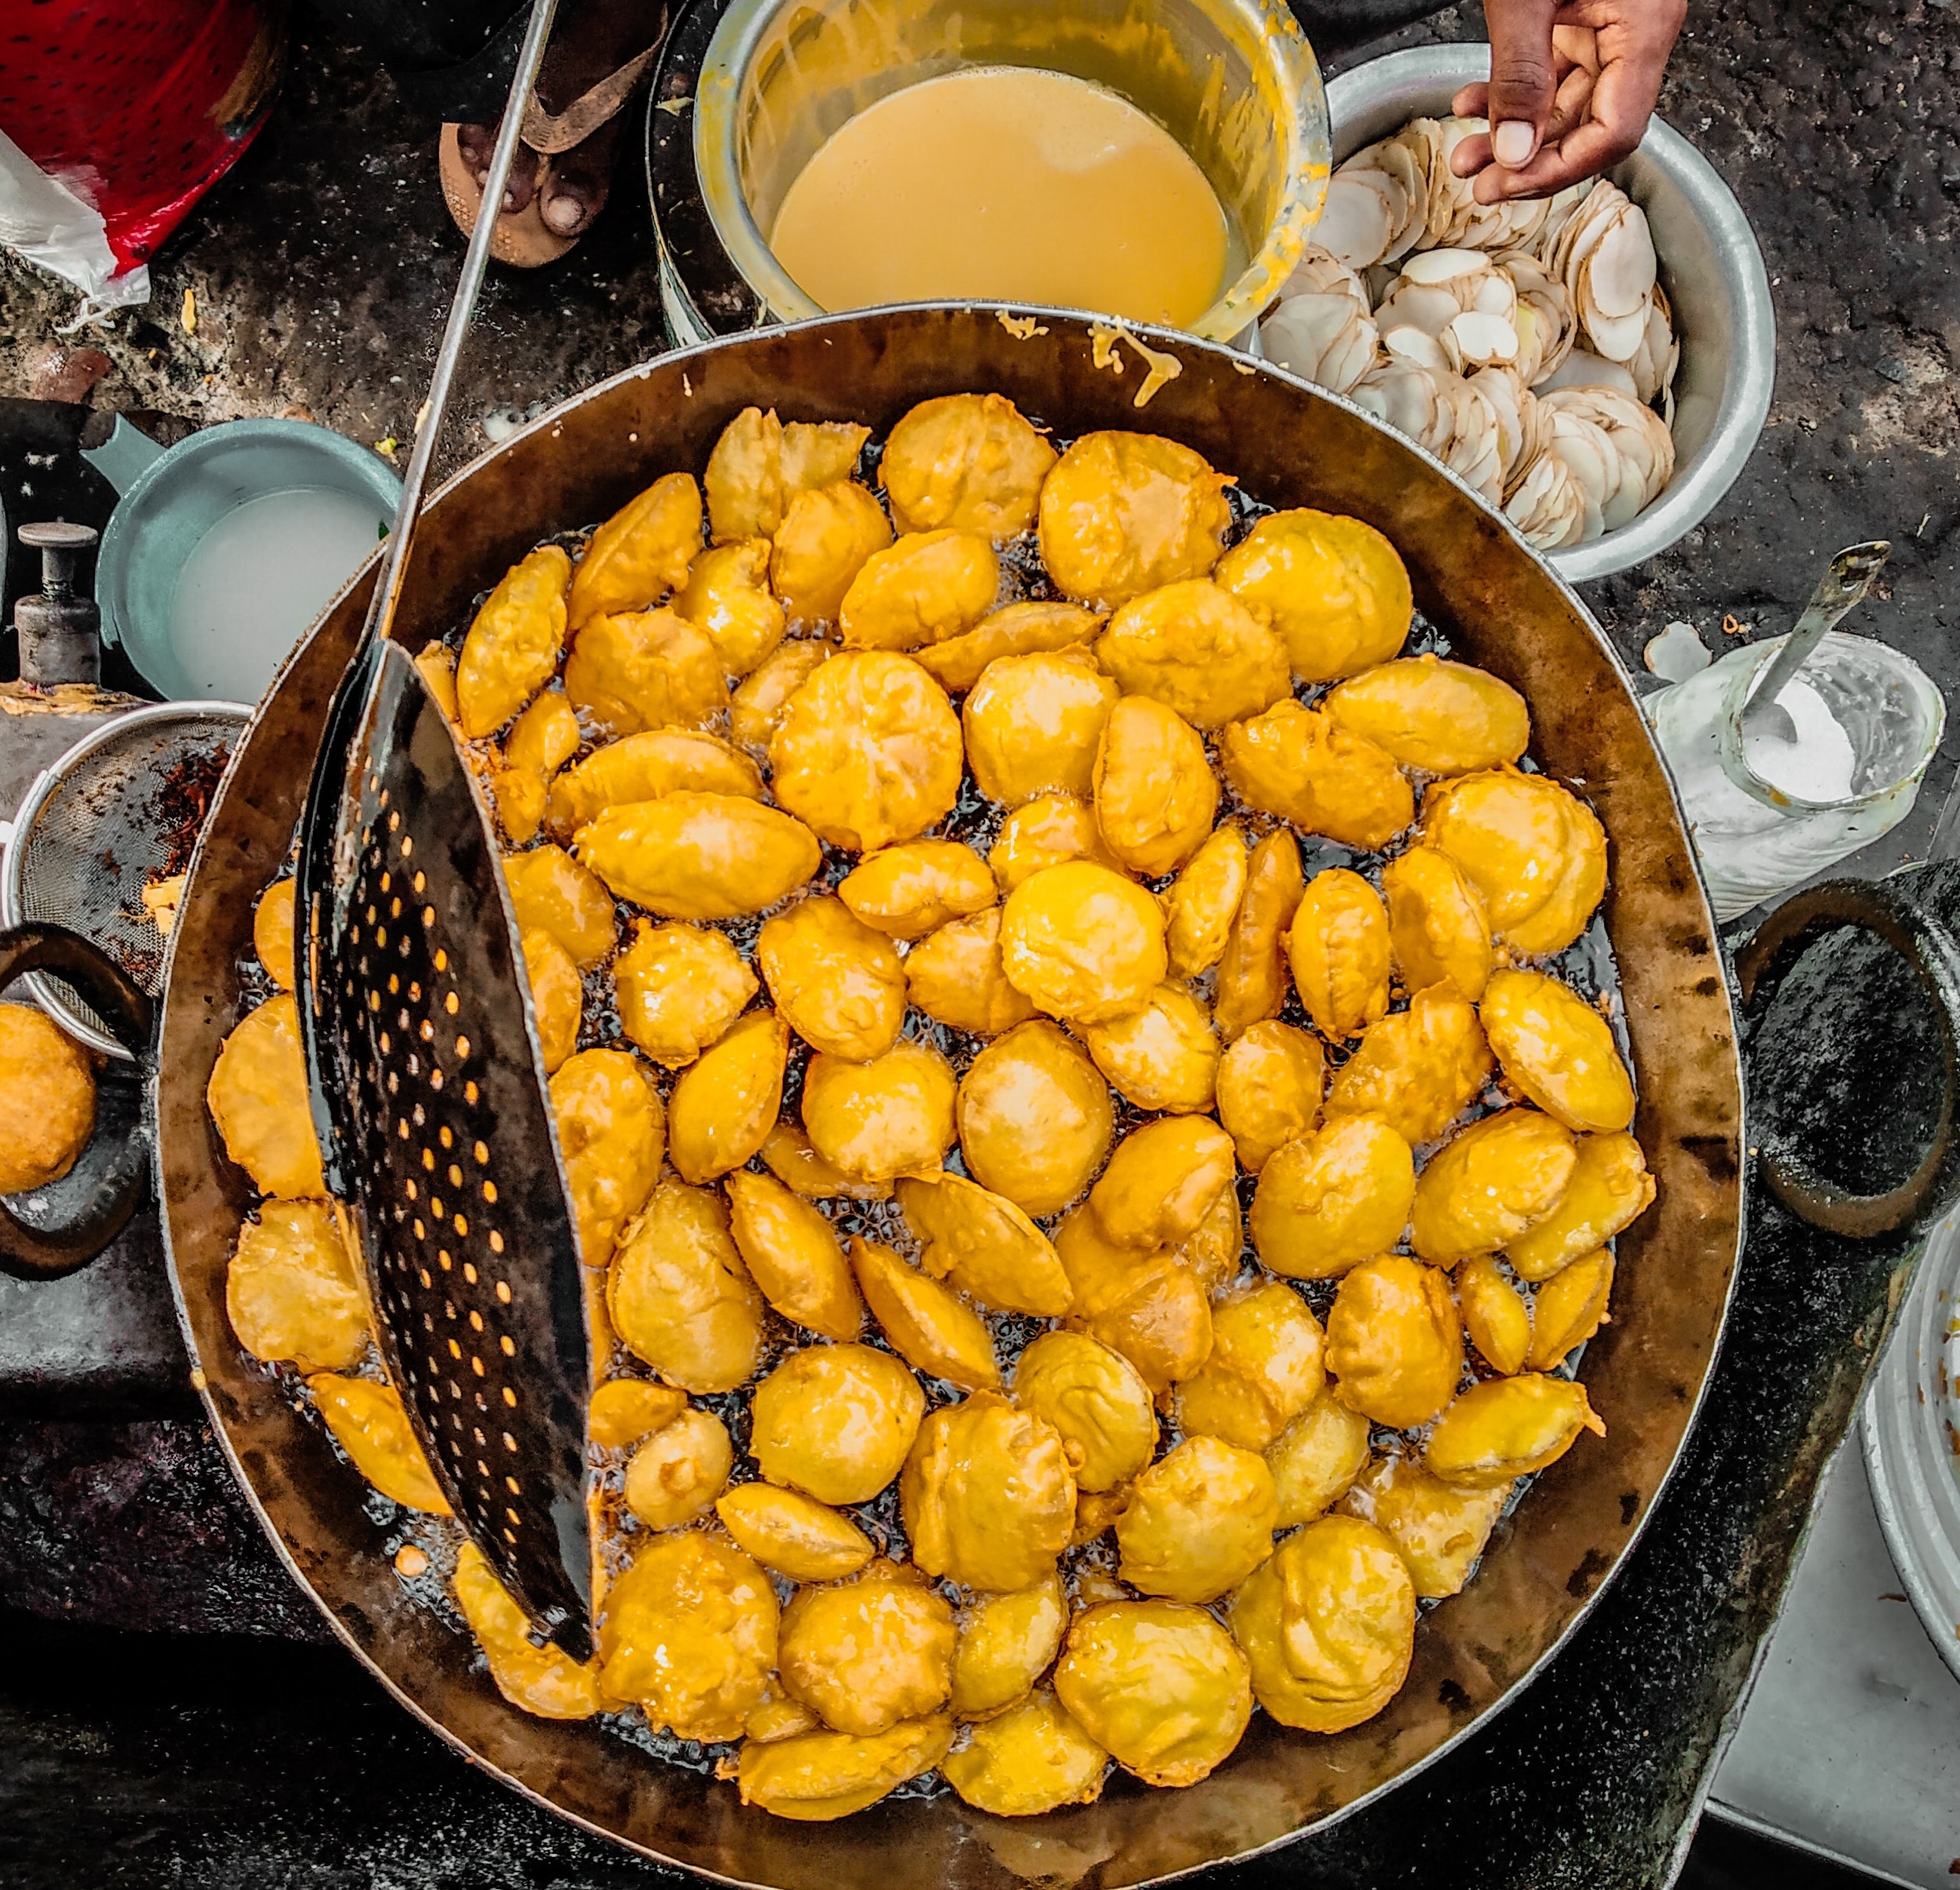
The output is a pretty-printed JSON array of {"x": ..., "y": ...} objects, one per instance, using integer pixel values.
[
  {"x": 1161, "y": 1685},
  {"x": 1197, "y": 650},
  {"x": 368, "y": 1423},
  {"x": 1252, "y": 970},
  {"x": 1198, "y": 1522},
  {"x": 1161, "y": 1181},
  {"x": 645, "y": 669},
  {"x": 1488, "y": 1183},
  {"x": 1035, "y": 1119},
  {"x": 1165, "y": 1057},
  {"x": 1555, "y": 1048},
  {"x": 728, "y": 1099},
  {"x": 1328, "y": 1626},
  {"x": 893, "y": 1115},
  {"x": 839, "y": 985},
  {"x": 613, "y": 1132},
  {"x": 1394, "y": 1344},
  {"x": 759, "y": 464},
  {"x": 826, "y": 534},
  {"x": 1333, "y": 588},
  {"x": 1016, "y": 629},
  {"x": 292, "y": 1291},
  {"x": 513, "y": 644},
  {"x": 545, "y": 1681},
  {"x": 1316, "y": 1458},
  {"x": 643, "y": 767},
  {"x": 621, "y": 1411},
  {"x": 922, "y": 588},
  {"x": 1328, "y": 1199},
  {"x": 689, "y": 1633},
  {"x": 1338, "y": 948},
  {"x": 869, "y": 1651},
  {"x": 914, "y": 887},
  {"x": 641, "y": 552},
  {"x": 1200, "y": 907},
  {"x": 1150, "y": 1307},
  {"x": 1123, "y": 512},
  {"x": 1570, "y": 1307},
  {"x": 793, "y": 1535},
  {"x": 1318, "y": 775},
  {"x": 1536, "y": 854},
  {"x": 1048, "y": 831},
  {"x": 1006, "y": 1643},
  {"x": 1269, "y": 1089},
  {"x": 272, "y": 940},
  {"x": 1435, "y": 923},
  {"x": 1610, "y": 1189},
  {"x": 925, "y": 1322},
  {"x": 1439, "y": 1529},
  {"x": 868, "y": 751},
  {"x": 956, "y": 977},
  {"x": 1419, "y": 1069},
  {"x": 756, "y": 706},
  {"x": 1494, "y": 1313},
  {"x": 435, "y": 663},
  {"x": 1213, "y": 1250},
  {"x": 1033, "y": 1758},
  {"x": 47, "y": 1095},
  {"x": 788, "y": 1155},
  {"x": 985, "y": 1244},
  {"x": 257, "y": 1096},
  {"x": 1506, "y": 1428},
  {"x": 986, "y": 1495},
  {"x": 551, "y": 891},
  {"x": 1083, "y": 942},
  {"x": 1032, "y": 724},
  {"x": 727, "y": 596},
  {"x": 1155, "y": 792},
  {"x": 793, "y": 1255},
  {"x": 680, "y": 1470},
  {"x": 1264, "y": 1369},
  {"x": 813, "y": 1777},
  {"x": 678, "y": 988},
  {"x": 694, "y": 855},
  {"x": 1098, "y": 1403},
  {"x": 969, "y": 461},
  {"x": 541, "y": 741},
  {"x": 519, "y": 797},
  {"x": 835, "y": 1421},
  {"x": 680, "y": 1298},
  {"x": 1444, "y": 718},
  {"x": 557, "y": 997}
]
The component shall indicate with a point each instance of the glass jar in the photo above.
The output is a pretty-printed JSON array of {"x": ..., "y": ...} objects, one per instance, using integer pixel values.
[{"x": 1756, "y": 839}]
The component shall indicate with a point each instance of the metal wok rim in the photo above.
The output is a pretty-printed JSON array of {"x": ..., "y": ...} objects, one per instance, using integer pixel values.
[{"x": 1176, "y": 343}]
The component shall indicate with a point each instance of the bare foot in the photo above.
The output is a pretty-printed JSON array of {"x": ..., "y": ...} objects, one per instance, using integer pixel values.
[{"x": 592, "y": 39}]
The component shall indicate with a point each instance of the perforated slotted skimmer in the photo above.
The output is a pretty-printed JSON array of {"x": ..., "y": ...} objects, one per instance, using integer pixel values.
[{"x": 427, "y": 1086}]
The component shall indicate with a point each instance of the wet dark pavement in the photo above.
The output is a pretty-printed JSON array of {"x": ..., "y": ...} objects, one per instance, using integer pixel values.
[{"x": 319, "y": 271}]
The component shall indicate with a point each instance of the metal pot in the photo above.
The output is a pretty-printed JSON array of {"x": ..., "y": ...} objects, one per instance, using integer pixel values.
[{"x": 1503, "y": 609}]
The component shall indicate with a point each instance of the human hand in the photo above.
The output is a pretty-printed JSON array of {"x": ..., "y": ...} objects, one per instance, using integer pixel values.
[{"x": 1572, "y": 86}]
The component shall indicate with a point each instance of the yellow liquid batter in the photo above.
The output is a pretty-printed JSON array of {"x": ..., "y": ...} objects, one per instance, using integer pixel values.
[{"x": 1008, "y": 182}]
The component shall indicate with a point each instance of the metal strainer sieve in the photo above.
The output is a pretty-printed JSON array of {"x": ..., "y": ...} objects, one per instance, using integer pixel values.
[{"x": 119, "y": 811}]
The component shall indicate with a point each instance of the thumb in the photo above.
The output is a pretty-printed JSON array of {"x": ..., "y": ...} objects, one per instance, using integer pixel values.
[{"x": 1522, "y": 87}]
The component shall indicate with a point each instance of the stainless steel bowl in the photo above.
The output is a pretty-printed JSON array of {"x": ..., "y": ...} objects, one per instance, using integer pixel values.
[{"x": 1709, "y": 265}]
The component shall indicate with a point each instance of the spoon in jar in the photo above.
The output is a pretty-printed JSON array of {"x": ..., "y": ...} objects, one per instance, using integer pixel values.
[{"x": 1850, "y": 577}]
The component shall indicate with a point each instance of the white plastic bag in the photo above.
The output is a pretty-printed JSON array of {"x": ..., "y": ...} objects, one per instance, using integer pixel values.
[{"x": 54, "y": 226}]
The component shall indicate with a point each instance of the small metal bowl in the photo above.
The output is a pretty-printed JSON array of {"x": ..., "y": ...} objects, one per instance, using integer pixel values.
[{"x": 1709, "y": 266}]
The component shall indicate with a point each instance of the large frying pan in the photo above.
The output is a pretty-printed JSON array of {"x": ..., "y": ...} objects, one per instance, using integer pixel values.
[{"x": 1289, "y": 444}]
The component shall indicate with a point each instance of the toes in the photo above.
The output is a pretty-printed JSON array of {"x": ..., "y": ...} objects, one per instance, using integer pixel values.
[
  {"x": 570, "y": 204},
  {"x": 477, "y": 142}
]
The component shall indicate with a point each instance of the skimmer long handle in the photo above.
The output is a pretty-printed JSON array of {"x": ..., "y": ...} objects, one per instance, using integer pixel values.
[{"x": 476, "y": 260}]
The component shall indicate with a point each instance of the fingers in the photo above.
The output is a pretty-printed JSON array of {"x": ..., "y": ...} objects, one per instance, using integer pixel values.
[
  {"x": 1574, "y": 101},
  {"x": 1519, "y": 96}
]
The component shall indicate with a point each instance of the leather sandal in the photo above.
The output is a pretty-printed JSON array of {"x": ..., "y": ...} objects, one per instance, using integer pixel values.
[{"x": 523, "y": 238}]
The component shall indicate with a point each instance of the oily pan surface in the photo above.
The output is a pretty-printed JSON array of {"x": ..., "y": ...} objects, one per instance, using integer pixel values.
[{"x": 1499, "y": 611}]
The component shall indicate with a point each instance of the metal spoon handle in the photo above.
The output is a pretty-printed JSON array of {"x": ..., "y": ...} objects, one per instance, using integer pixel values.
[
  {"x": 1843, "y": 585},
  {"x": 476, "y": 260}
]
